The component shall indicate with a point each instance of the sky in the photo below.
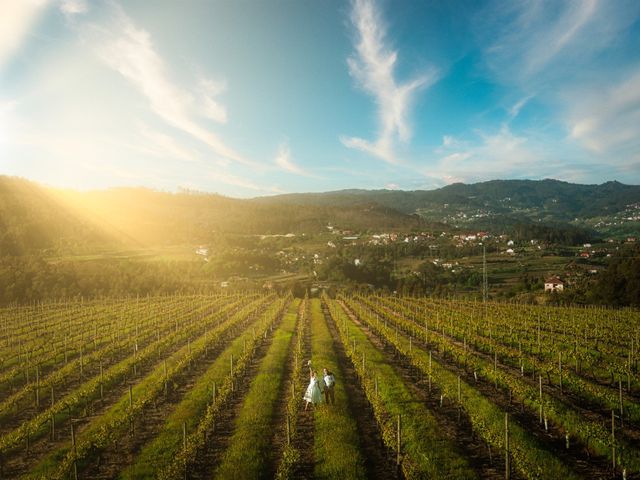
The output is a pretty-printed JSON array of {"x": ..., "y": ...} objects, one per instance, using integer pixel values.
[{"x": 259, "y": 97}]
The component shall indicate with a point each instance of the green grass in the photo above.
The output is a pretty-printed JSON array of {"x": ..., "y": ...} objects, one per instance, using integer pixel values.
[
  {"x": 248, "y": 450},
  {"x": 291, "y": 454},
  {"x": 426, "y": 452},
  {"x": 336, "y": 442}
]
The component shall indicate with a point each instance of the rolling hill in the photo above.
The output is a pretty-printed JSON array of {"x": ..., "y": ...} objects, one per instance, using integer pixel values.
[
  {"x": 608, "y": 207},
  {"x": 35, "y": 217}
]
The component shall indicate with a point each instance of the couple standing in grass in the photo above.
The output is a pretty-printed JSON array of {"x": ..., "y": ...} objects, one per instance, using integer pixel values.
[{"x": 318, "y": 386}]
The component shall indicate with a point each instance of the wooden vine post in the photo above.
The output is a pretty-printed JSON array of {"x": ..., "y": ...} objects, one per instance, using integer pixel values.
[
  {"x": 53, "y": 426},
  {"x": 560, "y": 369},
  {"x": 184, "y": 447},
  {"x": 459, "y": 399},
  {"x": 231, "y": 369},
  {"x": 613, "y": 440},
  {"x": 184, "y": 436},
  {"x": 166, "y": 383},
  {"x": 131, "y": 409},
  {"x": 620, "y": 397},
  {"x": 426, "y": 332},
  {"x": 37, "y": 386},
  {"x": 507, "y": 466},
  {"x": 399, "y": 441},
  {"x": 540, "y": 385},
  {"x": 75, "y": 451}
]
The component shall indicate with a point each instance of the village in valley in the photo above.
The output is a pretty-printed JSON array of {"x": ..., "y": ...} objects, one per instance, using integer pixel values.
[{"x": 529, "y": 269}]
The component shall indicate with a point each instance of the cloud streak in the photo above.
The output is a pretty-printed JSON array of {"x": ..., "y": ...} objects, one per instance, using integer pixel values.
[
  {"x": 285, "y": 162},
  {"x": 163, "y": 146},
  {"x": 499, "y": 154},
  {"x": 533, "y": 43},
  {"x": 608, "y": 119},
  {"x": 16, "y": 18},
  {"x": 563, "y": 52},
  {"x": 373, "y": 68},
  {"x": 129, "y": 50},
  {"x": 74, "y": 7}
]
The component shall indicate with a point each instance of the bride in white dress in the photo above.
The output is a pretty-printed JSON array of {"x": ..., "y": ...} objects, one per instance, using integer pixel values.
[{"x": 313, "y": 394}]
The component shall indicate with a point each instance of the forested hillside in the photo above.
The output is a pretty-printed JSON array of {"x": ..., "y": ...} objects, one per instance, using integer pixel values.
[
  {"x": 562, "y": 199},
  {"x": 505, "y": 202},
  {"x": 34, "y": 217}
]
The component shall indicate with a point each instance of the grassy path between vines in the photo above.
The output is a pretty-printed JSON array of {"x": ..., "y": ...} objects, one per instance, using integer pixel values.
[
  {"x": 379, "y": 460},
  {"x": 338, "y": 454},
  {"x": 248, "y": 452}
]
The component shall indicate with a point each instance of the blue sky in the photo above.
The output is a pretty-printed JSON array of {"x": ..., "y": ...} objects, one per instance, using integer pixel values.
[{"x": 249, "y": 98}]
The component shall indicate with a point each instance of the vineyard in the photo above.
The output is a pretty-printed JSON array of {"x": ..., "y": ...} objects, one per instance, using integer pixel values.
[{"x": 195, "y": 387}]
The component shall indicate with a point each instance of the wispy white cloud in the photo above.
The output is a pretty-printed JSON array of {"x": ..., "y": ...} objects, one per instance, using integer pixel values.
[
  {"x": 607, "y": 119},
  {"x": 210, "y": 107},
  {"x": 533, "y": 43},
  {"x": 515, "y": 109},
  {"x": 499, "y": 154},
  {"x": 561, "y": 51},
  {"x": 74, "y": 7},
  {"x": 16, "y": 19},
  {"x": 448, "y": 141},
  {"x": 559, "y": 34},
  {"x": 129, "y": 50},
  {"x": 455, "y": 158},
  {"x": 373, "y": 68},
  {"x": 285, "y": 162},
  {"x": 6, "y": 122},
  {"x": 164, "y": 146}
]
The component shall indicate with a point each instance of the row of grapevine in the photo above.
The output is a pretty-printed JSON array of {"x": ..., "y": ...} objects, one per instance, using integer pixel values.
[{"x": 593, "y": 434}]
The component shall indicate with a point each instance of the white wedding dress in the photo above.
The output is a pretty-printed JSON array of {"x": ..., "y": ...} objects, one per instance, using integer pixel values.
[{"x": 313, "y": 393}]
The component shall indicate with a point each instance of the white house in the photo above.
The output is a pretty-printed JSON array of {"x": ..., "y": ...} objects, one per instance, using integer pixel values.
[{"x": 553, "y": 284}]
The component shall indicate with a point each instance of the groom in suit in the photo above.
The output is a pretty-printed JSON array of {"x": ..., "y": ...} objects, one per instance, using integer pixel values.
[{"x": 329, "y": 385}]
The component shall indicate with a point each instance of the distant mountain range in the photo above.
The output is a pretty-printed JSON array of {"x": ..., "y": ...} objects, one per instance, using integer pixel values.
[
  {"x": 34, "y": 217},
  {"x": 553, "y": 199},
  {"x": 609, "y": 207}
]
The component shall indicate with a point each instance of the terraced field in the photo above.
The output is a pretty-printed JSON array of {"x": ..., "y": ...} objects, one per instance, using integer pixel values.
[{"x": 211, "y": 387}]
